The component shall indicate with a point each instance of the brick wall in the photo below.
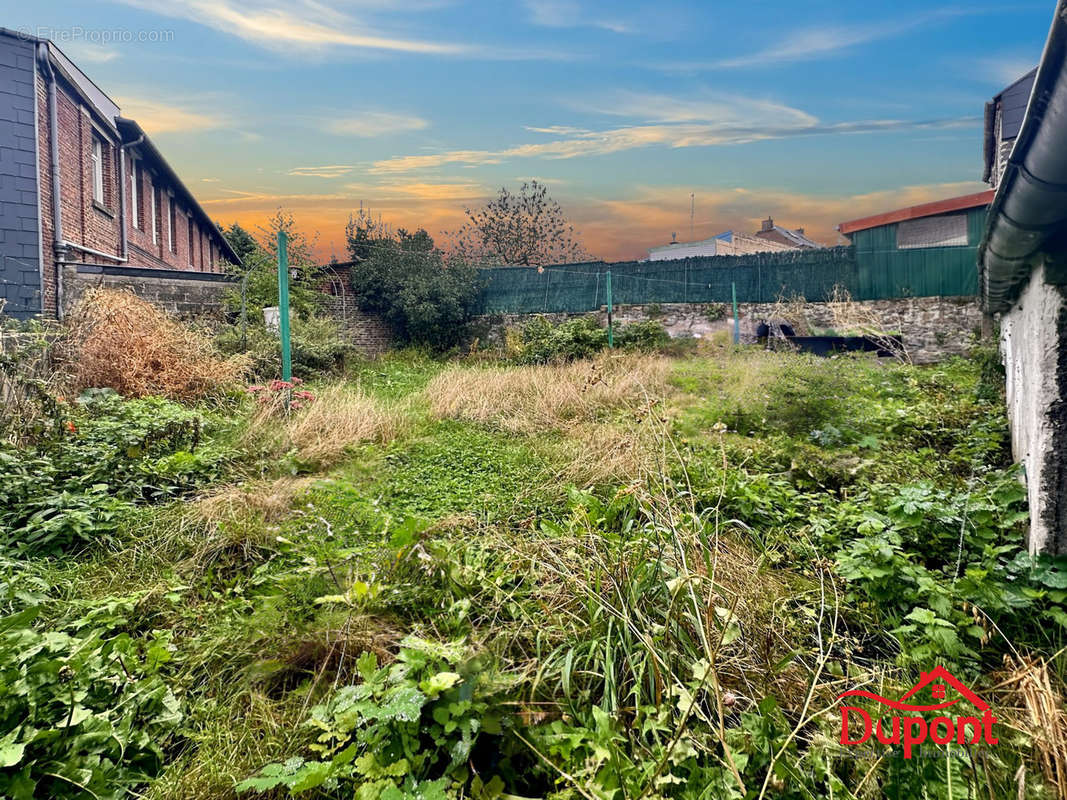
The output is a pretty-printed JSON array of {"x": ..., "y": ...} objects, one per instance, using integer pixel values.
[
  {"x": 933, "y": 327},
  {"x": 368, "y": 332},
  {"x": 96, "y": 224},
  {"x": 20, "y": 268}
]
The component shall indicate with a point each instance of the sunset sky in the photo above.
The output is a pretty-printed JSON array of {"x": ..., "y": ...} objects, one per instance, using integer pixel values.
[{"x": 812, "y": 112}]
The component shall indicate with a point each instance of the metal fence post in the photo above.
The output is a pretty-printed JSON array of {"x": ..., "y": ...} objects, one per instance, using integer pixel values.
[
  {"x": 737, "y": 321},
  {"x": 283, "y": 304},
  {"x": 607, "y": 288}
]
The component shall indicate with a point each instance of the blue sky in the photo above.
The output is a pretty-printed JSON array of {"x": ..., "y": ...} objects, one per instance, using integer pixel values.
[{"x": 813, "y": 112}]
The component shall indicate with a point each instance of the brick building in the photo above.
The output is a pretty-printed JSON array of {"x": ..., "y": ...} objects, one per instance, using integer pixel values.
[{"x": 122, "y": 211}]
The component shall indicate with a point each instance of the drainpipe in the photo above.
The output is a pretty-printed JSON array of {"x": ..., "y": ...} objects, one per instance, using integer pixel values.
[
  {"x": 58, "y": 247},
  {"x": 122, "y": 194}
]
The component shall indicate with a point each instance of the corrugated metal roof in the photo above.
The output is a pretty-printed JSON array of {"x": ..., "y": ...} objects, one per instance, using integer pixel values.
[{"x": 915, "y": 212}]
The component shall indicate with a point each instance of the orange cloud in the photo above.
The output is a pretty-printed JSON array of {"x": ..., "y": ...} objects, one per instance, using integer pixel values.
[{"x": 611, "y": 229}]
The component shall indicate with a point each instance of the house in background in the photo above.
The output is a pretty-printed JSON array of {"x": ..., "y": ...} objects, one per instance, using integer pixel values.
[
  {"x": 1003, "y": 119},
  {"x": 728, "y": 243},
  {"x": 923, "y": 250},
  {"x": 123, "y": 213},
  {"x": 792, "y": 238}
]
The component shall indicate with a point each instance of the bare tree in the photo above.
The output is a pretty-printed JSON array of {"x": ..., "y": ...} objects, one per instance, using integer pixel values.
[{"x": 526, "y": 229}]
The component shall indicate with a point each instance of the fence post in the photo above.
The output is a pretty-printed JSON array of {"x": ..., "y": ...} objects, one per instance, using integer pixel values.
[
  {"x": 607, "y": 288},
  {"x": 737, "y": 321},
  {"x": 283, "y": 304}
]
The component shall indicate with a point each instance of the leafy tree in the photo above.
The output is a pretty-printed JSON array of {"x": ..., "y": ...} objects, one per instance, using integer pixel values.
[
  {"x": 242, "y": 242},
  {"x": 426, "y": 296},
  {"x": 523, "y": 229},
  {"x": 259, "y": 256}
]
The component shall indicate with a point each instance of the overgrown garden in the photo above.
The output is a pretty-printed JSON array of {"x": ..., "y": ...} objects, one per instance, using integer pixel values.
[{"x": 550, "y": 571}]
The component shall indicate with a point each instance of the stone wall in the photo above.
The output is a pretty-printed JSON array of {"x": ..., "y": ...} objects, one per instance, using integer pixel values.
[
  {"x": 933, "y": 327},
  {"x": 189, "y": 295}
]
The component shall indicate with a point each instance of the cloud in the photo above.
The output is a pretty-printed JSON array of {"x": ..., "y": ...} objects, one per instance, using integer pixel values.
[
  {"x": 806, "y": 44},
  {"x": 158, "y": 117},
  {"x": 330, "y": 171},
  {"x": 211, "y": 180},
  {"x": 91, "y": 53},
  {"x": 774, "y": 122},
  {"x": 375, "y": 123},
  {"x": 569, "y": 14},
  {"x": 1004, "y": 70},
  {"x": 303, "y": 24}
]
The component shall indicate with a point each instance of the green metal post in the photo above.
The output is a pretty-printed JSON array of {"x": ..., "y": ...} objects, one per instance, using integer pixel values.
[
  {"x": 737, "y": 321},
  {"x": 283, "y": 304},
  {"x": 611, "y": 331}
]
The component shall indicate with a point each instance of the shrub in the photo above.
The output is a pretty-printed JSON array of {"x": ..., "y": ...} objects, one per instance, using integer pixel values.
[
  {"x": 426, "y": 297},
  {"x": 117, "y": 340},
  {"x": 545, "y": 343},
  {"x": 648, "y": 335},
  {"x": 318, "y": 348},
  {"x": 84, "y": 712}
]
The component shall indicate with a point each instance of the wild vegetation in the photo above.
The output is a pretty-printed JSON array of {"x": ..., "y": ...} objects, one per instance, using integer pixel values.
[{"x": 610, "y": 575}]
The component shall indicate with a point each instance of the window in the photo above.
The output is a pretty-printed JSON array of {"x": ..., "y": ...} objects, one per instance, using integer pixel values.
[
  {"x": 152, "y": 192},
  {"x": 171, "y": 244},
  {"x": 947, "y": 230},
  {"x": 135, "y": 194},
  {"x": 192, "y": 261},
  {"x": 97, "y": 159}
]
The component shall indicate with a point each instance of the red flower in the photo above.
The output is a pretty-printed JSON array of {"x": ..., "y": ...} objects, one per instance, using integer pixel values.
[
  {"x": 253, "y": 389},
  {"x": 71, "y": 427},
  {"x": 297, "y": 381}
]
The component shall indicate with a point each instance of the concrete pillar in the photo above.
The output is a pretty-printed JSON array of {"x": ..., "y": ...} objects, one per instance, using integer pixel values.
[{"x": 1034, "y": 346}]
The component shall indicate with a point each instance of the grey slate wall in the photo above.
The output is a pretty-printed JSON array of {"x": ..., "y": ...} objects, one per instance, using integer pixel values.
[{"x": 20, "y": 265}]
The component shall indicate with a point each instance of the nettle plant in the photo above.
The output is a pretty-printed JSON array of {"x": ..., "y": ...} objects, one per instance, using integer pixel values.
[{"x": 407, "y": 730}]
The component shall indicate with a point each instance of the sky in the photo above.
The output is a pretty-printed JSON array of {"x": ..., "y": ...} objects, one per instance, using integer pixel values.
[{"x": 810, "y": 112}]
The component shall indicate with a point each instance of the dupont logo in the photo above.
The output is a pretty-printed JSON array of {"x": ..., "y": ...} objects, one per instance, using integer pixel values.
[{"x": 908, "y": 731}]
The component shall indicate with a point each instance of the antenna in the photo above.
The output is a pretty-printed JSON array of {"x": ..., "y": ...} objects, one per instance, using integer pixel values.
[{"x": 692, "y": 210}]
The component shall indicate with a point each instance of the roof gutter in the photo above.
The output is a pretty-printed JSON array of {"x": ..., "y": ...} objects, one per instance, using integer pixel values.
[{"x": 1030, "y": 205}]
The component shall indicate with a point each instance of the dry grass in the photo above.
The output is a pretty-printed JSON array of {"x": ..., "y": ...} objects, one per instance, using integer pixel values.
[
  {"x": 1043, "y": 717},
  {"x": 340, "y": 416},
  {"x": 270, "y": 500},
  {"x": 533, "y": 399},
  {"x": 115, "y": 339}
]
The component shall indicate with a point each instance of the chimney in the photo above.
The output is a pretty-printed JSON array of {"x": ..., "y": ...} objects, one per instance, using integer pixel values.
[
  {"x": 800, "y": 231},
  {"x": 768, "y": 224}
]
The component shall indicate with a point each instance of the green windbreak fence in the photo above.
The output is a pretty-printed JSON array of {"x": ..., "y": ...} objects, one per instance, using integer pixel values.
[{"x": 872, "y": 269}]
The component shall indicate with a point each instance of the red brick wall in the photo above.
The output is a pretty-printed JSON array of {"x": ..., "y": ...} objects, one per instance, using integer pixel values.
[
  {"x": 97, "y": 226},
  {"x": 368, "y": 332}
]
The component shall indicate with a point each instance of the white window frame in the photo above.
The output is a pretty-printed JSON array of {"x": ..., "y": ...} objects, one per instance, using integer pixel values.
[
  {"x": 135, "y": 214},
  {"x": 96, "y": 158}
]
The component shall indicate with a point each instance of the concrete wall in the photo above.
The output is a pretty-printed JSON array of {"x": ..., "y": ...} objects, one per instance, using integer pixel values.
[
  {"x": 189, "y": 295},
  {"x": 1033, "y": 337},
  {"x": 933, "y": 327},
  {"x": 20, "y": 235}
]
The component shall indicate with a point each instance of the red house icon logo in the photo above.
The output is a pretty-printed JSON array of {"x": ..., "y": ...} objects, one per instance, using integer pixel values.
[{"x": 909, "y": 731}]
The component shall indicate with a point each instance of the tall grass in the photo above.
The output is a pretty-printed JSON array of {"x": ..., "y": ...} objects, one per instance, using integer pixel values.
[
  {"x": 540, "y": 398},
  {"x": 320, "y": 433}
]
